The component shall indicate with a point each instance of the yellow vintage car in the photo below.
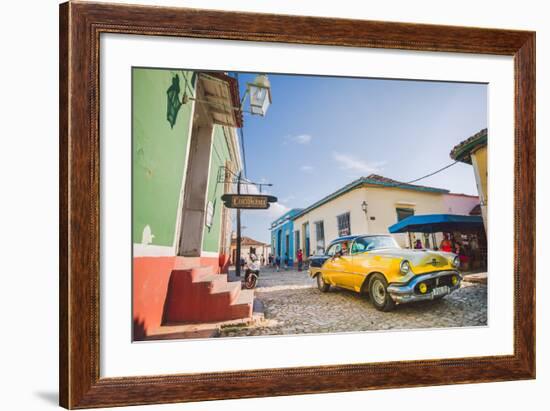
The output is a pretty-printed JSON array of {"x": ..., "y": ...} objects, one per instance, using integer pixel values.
[{"x": 375, "y": 264}]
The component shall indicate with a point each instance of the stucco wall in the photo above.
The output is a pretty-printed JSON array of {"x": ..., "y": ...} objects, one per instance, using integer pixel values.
[
  {"x": 218, "y": 157},
  {"x": 382, "y": 204},
  {"x": 460, "y": 204},
  {"x": 328, "y": 212},
  {"x": 159, "y": 155},
  {"x": 479, "y": 162},
  {"x": 480, "y": 156}
]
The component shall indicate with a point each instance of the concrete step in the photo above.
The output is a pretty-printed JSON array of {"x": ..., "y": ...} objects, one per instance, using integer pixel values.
[
  {"x": 184, "y": 263},
  {"x": 231, "y": 289},
  {"x": 213, "y": 278},
  {"x": 245, "y": 297},
  {"x": 193, "y": 274},
  {"x": 197, "y": 294},
  {"x": 243, "y": 305}
]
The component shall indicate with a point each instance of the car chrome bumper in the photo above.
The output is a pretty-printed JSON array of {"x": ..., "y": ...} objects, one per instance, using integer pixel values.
[{"x": 405, "y": 293}]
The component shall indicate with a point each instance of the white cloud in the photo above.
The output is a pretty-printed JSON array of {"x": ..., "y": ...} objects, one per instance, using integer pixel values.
[
  {"x": 276, "y": 210},
  {"x": 348, "y": 162},
  {"x": 306, "y": 169},
  {"x": 298, "y": 139},
  {"x": 303, "y": 138}
]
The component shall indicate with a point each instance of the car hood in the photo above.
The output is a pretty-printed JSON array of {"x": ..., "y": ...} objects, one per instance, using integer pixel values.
[{"x": 415, "y": 257}]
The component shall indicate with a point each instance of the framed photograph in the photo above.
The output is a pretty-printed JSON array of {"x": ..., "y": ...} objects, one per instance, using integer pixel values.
[{"x": 256, "y": 205}]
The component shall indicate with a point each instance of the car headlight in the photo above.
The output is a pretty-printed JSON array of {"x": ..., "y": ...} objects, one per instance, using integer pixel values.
[
  {"x": 405, "y": 267},
  {"x": 456, "y": 262}
]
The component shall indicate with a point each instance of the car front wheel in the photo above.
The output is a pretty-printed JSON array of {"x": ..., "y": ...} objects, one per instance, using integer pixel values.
[
  {"x": 378, "y": 292},
  {"x": 321, "y": 285}
]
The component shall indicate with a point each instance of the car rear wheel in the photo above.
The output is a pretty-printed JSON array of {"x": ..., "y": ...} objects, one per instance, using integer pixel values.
[
  {"x": 321, "y": 285},
  {"x": 378, "y": 292}
]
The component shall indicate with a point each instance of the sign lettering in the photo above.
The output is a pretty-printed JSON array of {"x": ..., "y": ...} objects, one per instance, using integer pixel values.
[{"x": 248, "y": 201}]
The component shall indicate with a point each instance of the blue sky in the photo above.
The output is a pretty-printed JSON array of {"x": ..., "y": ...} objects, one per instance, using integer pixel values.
[{"x": 321, "y": 133}]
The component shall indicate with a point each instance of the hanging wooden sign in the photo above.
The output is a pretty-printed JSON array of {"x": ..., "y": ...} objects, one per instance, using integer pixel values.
[{"x": 248, "y": 201}]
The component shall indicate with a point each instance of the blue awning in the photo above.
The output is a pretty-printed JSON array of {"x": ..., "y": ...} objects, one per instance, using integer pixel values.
[{"x": 436, "y": 223}]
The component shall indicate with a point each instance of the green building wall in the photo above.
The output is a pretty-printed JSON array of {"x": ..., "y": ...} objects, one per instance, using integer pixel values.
[
  {"x": 159, "y": 153},
  {"x": 219, "y": 157}
]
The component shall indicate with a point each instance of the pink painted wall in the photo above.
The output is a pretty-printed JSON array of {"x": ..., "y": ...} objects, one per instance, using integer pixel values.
[
  {"x": 150, "y": 285},
  {"x": 459, "y": 203},
  {"x": 151, "y": 279}
]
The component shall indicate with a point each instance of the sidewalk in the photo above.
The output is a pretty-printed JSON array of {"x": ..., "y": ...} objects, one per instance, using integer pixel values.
[{"x": 477, "y": 277}]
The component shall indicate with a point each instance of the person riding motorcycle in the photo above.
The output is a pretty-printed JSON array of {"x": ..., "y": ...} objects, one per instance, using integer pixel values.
[{"x": 252, "y": 272}]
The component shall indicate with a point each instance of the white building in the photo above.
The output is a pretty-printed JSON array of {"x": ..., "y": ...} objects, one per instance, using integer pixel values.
[{"x": 369, "y": 205}]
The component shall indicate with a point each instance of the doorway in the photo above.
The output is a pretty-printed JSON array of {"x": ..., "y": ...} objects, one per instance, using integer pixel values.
[{"x": 196, "y": 181}]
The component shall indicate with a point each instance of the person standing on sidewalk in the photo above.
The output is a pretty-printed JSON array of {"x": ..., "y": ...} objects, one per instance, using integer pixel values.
[
  {"x": 446, "y": 244},
  {"x": 300, "y": 258}
]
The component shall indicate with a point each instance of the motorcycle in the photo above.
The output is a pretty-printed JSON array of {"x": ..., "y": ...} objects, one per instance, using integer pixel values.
[{"x": 251, "y": 274}]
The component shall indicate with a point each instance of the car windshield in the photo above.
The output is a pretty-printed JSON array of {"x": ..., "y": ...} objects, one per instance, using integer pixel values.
[{"x": 369, "y": 243}]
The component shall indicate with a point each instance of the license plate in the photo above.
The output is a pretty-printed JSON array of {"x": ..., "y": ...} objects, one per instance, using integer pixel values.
[{"x": 440, "y": 291}]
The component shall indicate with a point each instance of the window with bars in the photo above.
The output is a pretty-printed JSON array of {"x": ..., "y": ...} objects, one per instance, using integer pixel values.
[
  {"x": 319, "y": 237},
  {"x": 344, "y": 227}
]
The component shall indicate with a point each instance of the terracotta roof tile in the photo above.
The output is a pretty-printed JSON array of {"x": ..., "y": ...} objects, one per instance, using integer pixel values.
[
  {"x": 461, "y": 152},
  {"x": 248, "y": 241}
]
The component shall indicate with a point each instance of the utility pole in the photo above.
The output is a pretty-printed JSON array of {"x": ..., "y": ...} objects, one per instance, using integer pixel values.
[{"x": 238, "y": 251}]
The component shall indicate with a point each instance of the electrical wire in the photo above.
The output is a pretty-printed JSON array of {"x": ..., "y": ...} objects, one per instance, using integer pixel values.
[
  {"x": 402, "y": 184},
  {"x": 431, "y": 174}
]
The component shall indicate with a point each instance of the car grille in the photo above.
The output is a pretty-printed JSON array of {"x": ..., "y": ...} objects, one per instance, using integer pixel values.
[{"x": 436, "y": 282}]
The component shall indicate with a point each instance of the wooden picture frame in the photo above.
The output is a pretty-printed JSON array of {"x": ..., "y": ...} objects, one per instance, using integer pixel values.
[{"x": 80, "y": 27}]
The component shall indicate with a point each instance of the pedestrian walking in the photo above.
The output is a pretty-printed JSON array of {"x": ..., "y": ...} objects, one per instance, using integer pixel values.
[
  {"x": 262, "y": 260},
  {"x": 277, "y": 263},
  {"x": 418, "y": 245},
  {"x": 300, "y": 258}
]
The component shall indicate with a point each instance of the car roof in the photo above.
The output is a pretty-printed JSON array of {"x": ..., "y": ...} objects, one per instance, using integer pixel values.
[
  {"x": 345, "y": 237},
  {"x": 354, "y": 236}
]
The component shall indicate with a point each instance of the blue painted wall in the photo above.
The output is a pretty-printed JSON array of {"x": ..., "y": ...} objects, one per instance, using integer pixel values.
[{"x": 280, "y": 229}]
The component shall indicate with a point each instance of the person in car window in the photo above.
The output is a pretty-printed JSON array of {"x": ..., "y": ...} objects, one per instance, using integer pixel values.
[{"x": 345, "y": 248}]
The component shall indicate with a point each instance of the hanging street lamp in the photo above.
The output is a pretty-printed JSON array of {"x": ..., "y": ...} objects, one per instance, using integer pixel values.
[
  {"x": 258, "y": 92},
  {"x": 260, "y": 95}
]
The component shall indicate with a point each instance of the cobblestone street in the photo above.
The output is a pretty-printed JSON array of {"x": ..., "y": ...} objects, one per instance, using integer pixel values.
[{"x": 293, "y": 305}]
